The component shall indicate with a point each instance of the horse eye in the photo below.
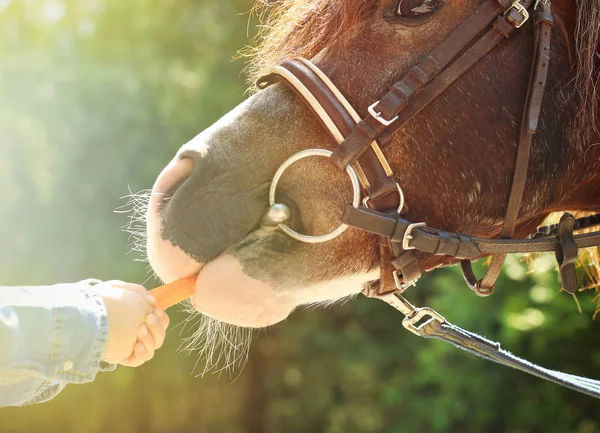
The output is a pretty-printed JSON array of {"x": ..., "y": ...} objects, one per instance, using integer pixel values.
[{"x": 417, "y": 8}]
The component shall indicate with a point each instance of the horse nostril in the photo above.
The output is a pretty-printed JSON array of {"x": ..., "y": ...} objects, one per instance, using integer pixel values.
[
  {"x": 172, "y": 176},
  {"x": 175, "y": 187}
]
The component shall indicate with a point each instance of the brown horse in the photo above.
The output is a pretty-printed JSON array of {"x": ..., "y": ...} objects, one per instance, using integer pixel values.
[{"x": 454, "y": 160}]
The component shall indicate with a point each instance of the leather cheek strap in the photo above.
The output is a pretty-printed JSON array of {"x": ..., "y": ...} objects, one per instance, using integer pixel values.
[
  {"x": 566, "y": 255},
  {"x": 529, "y": 123}
]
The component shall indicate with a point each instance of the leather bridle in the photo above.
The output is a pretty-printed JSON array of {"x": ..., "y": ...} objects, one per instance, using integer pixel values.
[{"x": 359, "y": 153}]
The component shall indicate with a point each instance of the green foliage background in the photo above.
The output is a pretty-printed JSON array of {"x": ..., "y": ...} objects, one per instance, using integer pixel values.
[{"x": 95, "y": 98}]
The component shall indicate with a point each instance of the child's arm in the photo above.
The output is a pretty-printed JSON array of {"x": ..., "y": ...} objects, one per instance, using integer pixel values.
[{"x": 51, "y": 336}]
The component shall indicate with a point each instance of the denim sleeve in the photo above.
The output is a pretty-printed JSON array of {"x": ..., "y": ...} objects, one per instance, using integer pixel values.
[{"x": 49, "y": 336}]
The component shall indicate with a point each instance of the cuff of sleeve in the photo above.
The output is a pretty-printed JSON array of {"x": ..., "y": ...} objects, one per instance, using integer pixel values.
[{"x": 80, "y": 332}]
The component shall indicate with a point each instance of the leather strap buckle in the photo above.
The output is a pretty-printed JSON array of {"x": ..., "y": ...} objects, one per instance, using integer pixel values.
[
  {"x": 408, "y": 236},
  {"x": 377, "y": 115},
  {"x": 519, "y": 8}
]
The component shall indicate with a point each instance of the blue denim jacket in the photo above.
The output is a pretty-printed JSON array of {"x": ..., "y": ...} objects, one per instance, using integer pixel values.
[{"x": 49, "y": 336}]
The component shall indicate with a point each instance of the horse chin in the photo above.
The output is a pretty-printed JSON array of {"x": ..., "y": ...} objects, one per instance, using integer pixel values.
[{"x": 222, "y": 290}]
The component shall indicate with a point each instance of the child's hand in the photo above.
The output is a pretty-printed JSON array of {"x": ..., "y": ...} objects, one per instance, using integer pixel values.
[{"x": 135, "y": 328}]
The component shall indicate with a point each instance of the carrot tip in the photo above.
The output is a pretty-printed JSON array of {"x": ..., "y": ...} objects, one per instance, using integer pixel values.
[{"x": 174, "y": 292}]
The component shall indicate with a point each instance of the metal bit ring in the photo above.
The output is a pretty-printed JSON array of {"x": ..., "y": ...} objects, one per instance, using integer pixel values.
[{"x": 355, "y": 200}]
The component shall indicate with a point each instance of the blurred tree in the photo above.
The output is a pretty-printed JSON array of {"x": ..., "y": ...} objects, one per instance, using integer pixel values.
[{"x": 95, "y": 98}]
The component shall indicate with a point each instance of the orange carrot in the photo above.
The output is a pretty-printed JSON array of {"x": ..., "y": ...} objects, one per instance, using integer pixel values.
[{"x": 174, "y": 292}]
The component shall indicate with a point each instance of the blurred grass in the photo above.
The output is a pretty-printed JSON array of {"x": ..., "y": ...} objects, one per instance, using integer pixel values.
[{"x": 95, "y": 98}]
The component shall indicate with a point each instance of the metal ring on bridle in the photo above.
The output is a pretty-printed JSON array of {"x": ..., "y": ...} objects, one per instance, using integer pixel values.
[
  {"x": 355, "y": 200},
  {"x": 400, "y": 194}
]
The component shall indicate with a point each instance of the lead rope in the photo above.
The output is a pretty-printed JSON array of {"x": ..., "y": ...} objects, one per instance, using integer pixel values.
[{"x": 439, "y": 328}]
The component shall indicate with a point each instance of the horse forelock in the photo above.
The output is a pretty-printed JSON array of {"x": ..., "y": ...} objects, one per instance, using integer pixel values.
[{"x": 301, "y": 28}]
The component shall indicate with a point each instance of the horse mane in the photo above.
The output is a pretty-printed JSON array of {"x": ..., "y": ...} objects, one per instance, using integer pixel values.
[
  {"x": 585, "y": 47},
  {"x": 587, "y": 69}
]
